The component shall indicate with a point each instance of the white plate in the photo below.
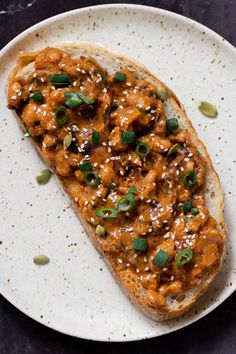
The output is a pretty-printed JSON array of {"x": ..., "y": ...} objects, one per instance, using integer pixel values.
[{"x": 75, "y": 293}]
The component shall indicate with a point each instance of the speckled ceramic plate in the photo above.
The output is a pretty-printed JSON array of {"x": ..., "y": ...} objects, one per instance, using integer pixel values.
[{"x": 75, "y": 293}]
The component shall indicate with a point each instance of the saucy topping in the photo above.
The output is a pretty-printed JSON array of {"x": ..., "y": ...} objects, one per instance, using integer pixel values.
[{"x": 135, "y": 175}]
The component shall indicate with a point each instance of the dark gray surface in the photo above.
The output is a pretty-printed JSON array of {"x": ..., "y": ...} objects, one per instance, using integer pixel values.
[{"x": 214, "y": 334}]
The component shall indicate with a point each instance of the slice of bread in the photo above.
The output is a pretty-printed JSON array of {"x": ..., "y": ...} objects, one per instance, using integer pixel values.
[{"x": 130, "y": 281}]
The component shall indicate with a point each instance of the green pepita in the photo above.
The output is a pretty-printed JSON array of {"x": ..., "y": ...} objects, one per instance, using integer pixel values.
[
  {"x": 207, "y": 109},
  {"x": 162, "y": 94},
  {"x": 41, "y": 260},
  {"x": 44, "y": 176},
  {"x": 67, "y": 141},
  {"x": 100, "y": 231}
]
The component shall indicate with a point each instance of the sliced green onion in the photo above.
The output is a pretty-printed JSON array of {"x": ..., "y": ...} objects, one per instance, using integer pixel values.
[
  {"x": 188, "y": 218},
  {"x": 37, "y": 96},
  {"x": 61, "y": 115},
  {"x": 194, "y": 211},
  {"x": 60, "y": 79},
  {"x": 100, "y": 231},
  {"x": 173, "y": 149},
  {"x": 85, "y": 166},
  {"x": 162, "y": 94},
  {"x": 187, "y": 206},
  {"x": 67, "y": 141},
  {"x": 140, "y": 244},
  {"x": 72, "y": 99},
  {"x": 184, "y": 257},
  {"x": 27, "y": 132},
  {"x": 142, "y": 149},
  {"x": 119, "y": 76},
  {"x": 95, "y": 137},
  {"x": 128, "y": 137},
  {"x": 133, "y": 190},
  {"x": 189, "y": 179},
  {"x": 85, "y": 99},
  {"x": 43, "y": 176},
  {"x": 91, "y": 179},
  {"x": 106, "y": 213},
  {"x": 161, "y": 258},
  {"x": 172, "y": 125},
  {"x": 126, "y": 203}
]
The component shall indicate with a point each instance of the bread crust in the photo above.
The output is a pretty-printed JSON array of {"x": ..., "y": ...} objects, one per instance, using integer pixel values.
[{"x": 112, "y": 61}]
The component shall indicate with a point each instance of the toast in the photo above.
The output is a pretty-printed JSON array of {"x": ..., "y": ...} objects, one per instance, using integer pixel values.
[{"x": 132, "y": 161}]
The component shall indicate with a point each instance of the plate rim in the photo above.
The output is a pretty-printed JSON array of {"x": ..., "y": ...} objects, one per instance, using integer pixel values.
[{"x": 217, "y": 37}]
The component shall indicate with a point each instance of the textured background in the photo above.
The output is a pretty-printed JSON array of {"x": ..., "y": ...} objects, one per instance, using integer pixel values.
[{"x": 215, "y": 333}]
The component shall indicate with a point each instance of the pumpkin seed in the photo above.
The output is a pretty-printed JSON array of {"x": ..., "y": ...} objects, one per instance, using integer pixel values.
[
  {"x": 162, "y": 94},
  {"x": 44, "y": 176},
  {"x": 41, "y": 259},
  {"x": 67, "y": 141},
  {"x": 207, "y": 109},
  {"x": 100, "y": 231}
]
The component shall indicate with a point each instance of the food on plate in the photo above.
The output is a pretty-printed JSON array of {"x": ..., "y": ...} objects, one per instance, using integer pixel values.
[
  {"x": 208, "y": 109},
  {"x": 140, "y": 180}
]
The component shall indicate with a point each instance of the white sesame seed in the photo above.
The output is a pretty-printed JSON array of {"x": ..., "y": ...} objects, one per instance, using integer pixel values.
[
  {"x": 119, "y": 261},
  {"x": 92, "y": 219}
]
